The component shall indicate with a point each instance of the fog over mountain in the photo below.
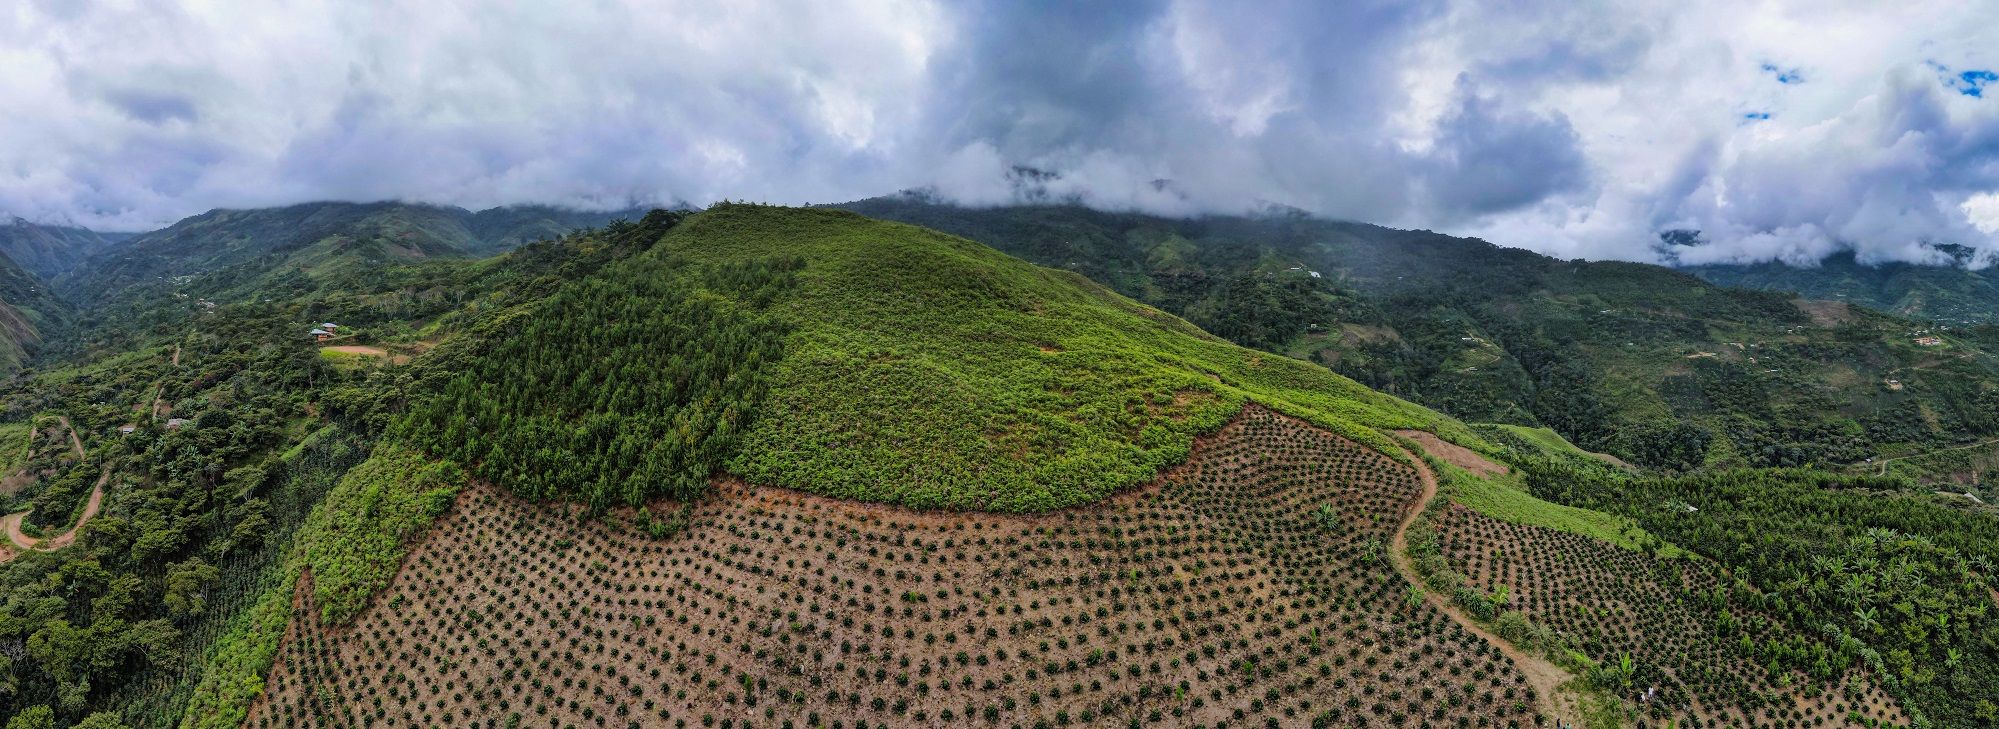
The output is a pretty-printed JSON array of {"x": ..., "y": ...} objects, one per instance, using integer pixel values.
[{"x": 1780, "y": 131}]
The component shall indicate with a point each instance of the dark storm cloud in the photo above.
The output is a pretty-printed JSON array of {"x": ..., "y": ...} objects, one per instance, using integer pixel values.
[{"x": 1574, "y": 128}]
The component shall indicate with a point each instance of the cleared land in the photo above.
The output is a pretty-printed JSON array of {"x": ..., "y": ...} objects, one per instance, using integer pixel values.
[{"x": 1248, "y": 587}]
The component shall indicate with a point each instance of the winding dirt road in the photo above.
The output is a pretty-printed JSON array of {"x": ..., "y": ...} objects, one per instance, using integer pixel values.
[
  {"x": 12, "y": 522},
  {"x": 1546, "y": 677}
]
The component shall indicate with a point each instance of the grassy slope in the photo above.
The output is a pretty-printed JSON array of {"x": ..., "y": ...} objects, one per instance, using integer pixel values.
[
  {"x": 931, "y": 371},
  {"x": 1599, "y": 351}
]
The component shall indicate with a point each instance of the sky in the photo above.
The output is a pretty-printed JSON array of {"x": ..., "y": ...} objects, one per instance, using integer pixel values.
[{"x": 1778, "y": 130}]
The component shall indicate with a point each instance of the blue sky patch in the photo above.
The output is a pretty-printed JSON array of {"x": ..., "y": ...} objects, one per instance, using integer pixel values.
[
  {"x": 1785, "y": 76},
  {"x": 1973, "y": 82},
  {"x": 1756, "y": 115}
]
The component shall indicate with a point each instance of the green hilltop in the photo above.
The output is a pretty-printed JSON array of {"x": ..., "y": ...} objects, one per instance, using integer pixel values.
[{"x": 909, "y": 367}]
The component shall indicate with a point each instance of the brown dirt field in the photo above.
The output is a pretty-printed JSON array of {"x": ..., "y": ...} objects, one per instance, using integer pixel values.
[
  {"x": 1454, "y": 454},
  {"x": 1608, "y": 602},
  {"x": 1247, "y": 586},
  {"x": 1825, "y": 313}
]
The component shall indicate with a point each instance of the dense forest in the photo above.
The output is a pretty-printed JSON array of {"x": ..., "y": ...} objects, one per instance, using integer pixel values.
[
  {"x": 1899, "y": 581},
  {"x": 624, "y": 387}
]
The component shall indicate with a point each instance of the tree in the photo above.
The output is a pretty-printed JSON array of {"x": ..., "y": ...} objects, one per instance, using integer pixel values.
[{"x": 34, "y": 717}]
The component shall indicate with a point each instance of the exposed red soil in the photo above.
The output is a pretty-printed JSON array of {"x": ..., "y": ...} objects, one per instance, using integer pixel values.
[{"x": 1454, "y": 454}]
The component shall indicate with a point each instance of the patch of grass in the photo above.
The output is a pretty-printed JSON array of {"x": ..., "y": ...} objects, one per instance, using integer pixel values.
[
  {"x": 931, "y": 371},
  {"x": 1506, "y": 498},
  {"x": 13, "y": 446},
  {"x": 1546, "y": 440},
  {"x": 356, "y": 537}
]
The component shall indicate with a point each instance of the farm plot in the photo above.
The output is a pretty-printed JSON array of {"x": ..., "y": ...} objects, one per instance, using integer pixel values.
[
  {"x": 1700, "y": 654},
  {"x": 1247, "y": 588}
]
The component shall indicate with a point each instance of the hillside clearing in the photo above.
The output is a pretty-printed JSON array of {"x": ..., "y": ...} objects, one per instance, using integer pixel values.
[{"x": 1245, "y": 587}]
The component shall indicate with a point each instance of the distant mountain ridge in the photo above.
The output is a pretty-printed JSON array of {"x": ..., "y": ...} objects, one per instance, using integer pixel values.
[
  {"x": 313, "y": 237},
  {"x": 1956, "y": 294},
  {"x": 47, "y": 250}
]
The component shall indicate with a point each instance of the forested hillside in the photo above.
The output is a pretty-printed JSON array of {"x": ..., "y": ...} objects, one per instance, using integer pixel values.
[
  {"x": 47, "y": 250},
  {"x": 1948, "y": 293},
  {"x": 29, "y": 313},
  {"x": 240, "y": 425},
  {"x": 315, "y": 239},
  {"x": 1641, "y": 361}
]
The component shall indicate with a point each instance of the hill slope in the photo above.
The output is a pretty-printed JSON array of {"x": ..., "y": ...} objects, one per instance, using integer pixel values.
[
  {"x": 28, "y": 313},
  {"x": 47, "y": 250},
  {"x": 933, "y": 371},
  {"x": 1952, "y": 294},
  {"x": 315, "y": 239},
  {"x": 1644, "y": 362}
]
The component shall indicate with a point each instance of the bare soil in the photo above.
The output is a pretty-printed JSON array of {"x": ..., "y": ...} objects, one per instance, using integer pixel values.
[
  {"x": 1454, "y": 454},
  {"x": 367, "y": 351}
]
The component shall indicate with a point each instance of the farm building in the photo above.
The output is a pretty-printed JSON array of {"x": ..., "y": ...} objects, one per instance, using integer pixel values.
[{"x": 320, "y": 335}]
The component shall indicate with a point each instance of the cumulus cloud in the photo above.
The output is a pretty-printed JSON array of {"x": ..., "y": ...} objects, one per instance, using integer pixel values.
[{"x": 1778, "y": 130}]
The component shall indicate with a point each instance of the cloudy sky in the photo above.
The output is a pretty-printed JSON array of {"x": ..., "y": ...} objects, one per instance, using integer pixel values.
[{"x": 1780, "y": 130}]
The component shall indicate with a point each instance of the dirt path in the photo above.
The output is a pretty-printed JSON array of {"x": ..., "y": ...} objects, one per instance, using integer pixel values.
[
  {"x": 1546, "y": 678},
  {"x": 1454, "y": 454},
  {"x": 12, "y": 522},
  {"x": 75, "y": 443},
  {"x": 175, "y": 360},
  {"x": 20, "y": 539}
]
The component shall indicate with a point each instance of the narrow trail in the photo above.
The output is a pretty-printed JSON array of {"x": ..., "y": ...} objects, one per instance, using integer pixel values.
[
  {"x": 175, "y": 360},
  {"x": 75, "y": 443},
  {"x": 20, "y": 540},
  {"x": 1546, "y": 677},
  {"x": 12, "y": 523}
]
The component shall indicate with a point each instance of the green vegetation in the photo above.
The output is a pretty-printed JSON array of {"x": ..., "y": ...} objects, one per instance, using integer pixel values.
[
  {"x": 356, "y": 538},
  {"x": 1642, "y": 362},
  {"x": 931, "y": 371},
  {"x": 1900, "y": 582},
  {"x": 14, "y": 446},
  {"x": 1955, "y": 294},
  {"x": 1505, "y": 498},
  {"x": 181, "y": 581},
  {"x": 646, "y": 368}
]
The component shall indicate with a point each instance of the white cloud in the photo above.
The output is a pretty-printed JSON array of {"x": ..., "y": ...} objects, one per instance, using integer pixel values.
[{"x": 1579, "y": 129}]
